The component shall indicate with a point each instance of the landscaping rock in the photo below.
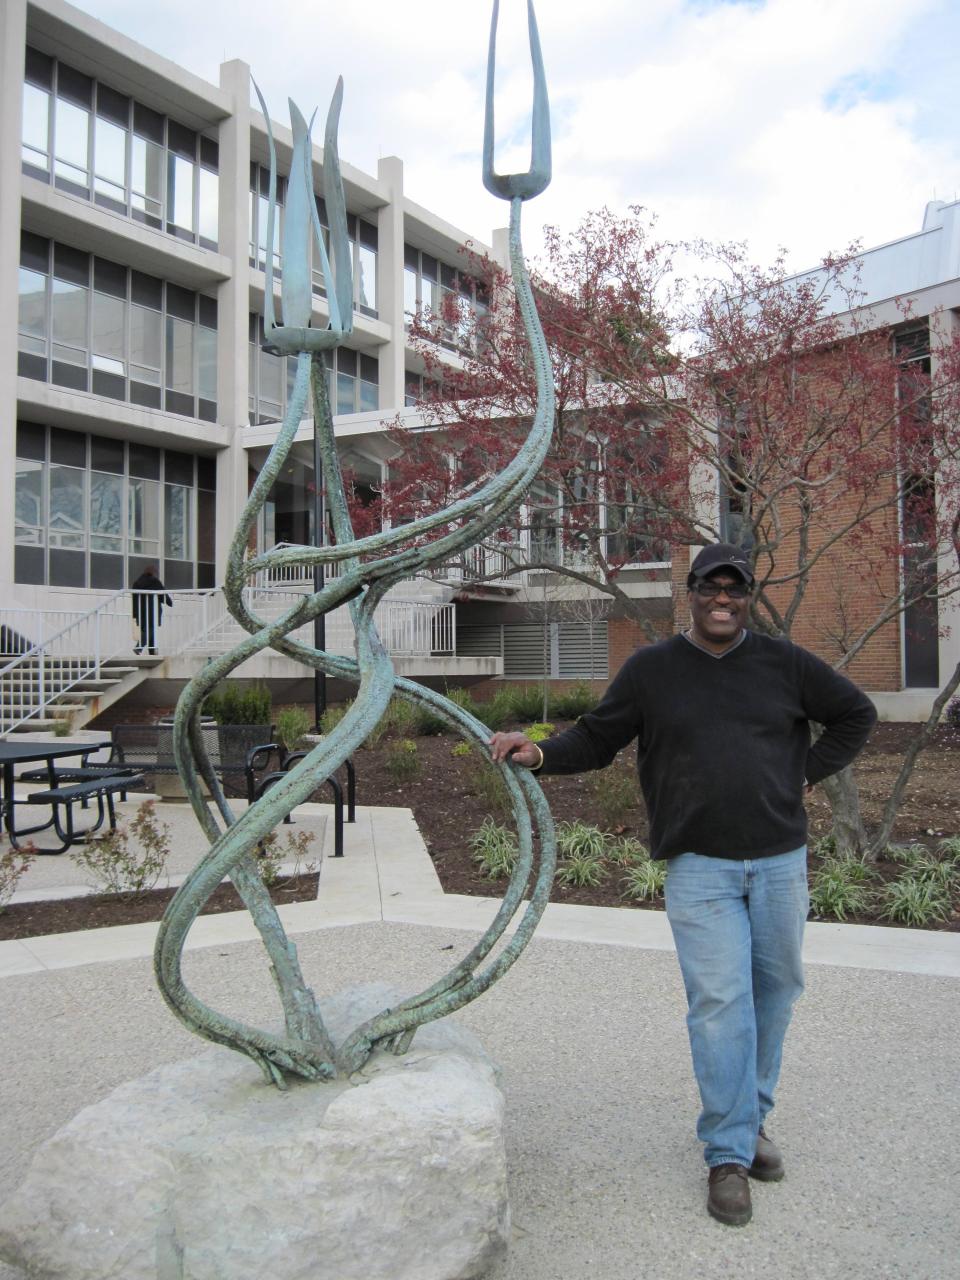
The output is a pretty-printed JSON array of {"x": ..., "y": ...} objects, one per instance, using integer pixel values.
[{"x": 202, "y": 1171}]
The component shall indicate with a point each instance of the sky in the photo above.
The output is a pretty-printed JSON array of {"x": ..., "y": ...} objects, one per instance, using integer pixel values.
[{"x": 797, "y": 124}]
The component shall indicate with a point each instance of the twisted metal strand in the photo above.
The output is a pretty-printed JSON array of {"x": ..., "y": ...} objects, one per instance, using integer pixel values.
[{"x": 369, "y": 567}]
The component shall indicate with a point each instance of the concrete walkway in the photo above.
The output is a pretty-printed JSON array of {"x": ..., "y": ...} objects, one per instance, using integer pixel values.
[{"x": 607, "y": 1180}]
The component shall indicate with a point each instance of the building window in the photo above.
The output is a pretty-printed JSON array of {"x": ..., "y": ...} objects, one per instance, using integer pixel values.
[
  {"x": 918, "y": 519},
  {"x": 452, "y": 301},
  {"x": 538, "y": 651},
  {"x": 362, "y": 235},
  {"x": 93, "y": 325},
  {"x": 353, "y": 379},
  {"x": 101, "y": 145},
  {"x": 94, "y": 512}
]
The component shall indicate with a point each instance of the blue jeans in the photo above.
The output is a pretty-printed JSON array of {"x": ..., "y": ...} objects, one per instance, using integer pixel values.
[{"x": 738, "y": 927}]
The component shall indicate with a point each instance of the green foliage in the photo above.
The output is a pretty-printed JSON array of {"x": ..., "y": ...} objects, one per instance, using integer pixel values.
[
  {"x": 540, "y": 731},
  {"x": 464, "y": 699},
  {"x": 914, "y": 900},
  {"x": 494, "y": 848},
  {"x": 231, "y": 703},
  {"x": 949, "y": 849},
  {"x": 499, "y": 711},
  {"x": 628, "y": 851},
  {"x": 332, "y": 716},
  {"x": 272, "y": 855},
  {"x": 62, "y": 728},
  {"x": 401, "y": 717},
  {"x": 644, "y": 880},
  {"x": 292, "y": 724},
  {"x": 526, "y": 701},
  {"x": 577, "y": 840},
  {"x": 428, "y": 723},
  {"x": 615, "y": 793},
  {"x": 825, "y": 847},
  {"x": 907, "y": 854},
  {"x": 582, "y": 870},
  {"x": 13, "y": 864},
  {"x": 567, "y": 704},
  {"x": 462, "y": 750},
  {"x": 125, "y": 868},
  {"x": 488, "y": 785},
  {"x": 841, "y": 887},
  {"x": 403, "y": 760}
]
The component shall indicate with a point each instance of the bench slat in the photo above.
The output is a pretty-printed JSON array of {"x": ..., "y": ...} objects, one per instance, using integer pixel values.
[{"x": 63, "y": 795}]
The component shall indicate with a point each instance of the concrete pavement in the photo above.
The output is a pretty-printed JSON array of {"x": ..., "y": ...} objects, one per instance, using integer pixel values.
[{"x": 607, "y": 1179}]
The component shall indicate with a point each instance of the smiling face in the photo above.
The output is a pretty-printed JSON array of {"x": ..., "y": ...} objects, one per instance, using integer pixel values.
[{"x": 718, "y": 620}]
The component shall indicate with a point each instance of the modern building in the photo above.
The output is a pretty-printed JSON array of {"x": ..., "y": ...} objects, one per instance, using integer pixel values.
[
  {"x": 138, "y": 400},
  {"x": 137, "y": 396}
]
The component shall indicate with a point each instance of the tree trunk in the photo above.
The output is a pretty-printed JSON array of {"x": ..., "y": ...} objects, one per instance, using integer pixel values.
[
  {"x": 924, "y": 734},
  {"x": 848, "y": 829}
]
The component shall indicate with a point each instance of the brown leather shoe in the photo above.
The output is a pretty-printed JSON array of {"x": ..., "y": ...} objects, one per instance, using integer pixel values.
[
  {"x": 768, "y": 1162},
  {"x": 728, "y": 1195}
]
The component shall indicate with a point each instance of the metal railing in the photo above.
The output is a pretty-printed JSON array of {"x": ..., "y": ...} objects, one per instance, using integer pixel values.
[{"x": 46, "y": 655}]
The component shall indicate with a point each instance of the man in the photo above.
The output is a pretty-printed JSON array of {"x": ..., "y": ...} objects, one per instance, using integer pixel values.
[
  {"x": 721, "y": 716},
  {"x": 149, "y": 597}
]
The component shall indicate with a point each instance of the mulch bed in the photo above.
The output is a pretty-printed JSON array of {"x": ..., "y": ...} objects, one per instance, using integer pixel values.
[
  {"x": 449, "y": 802},
  {"x": 449, "y": 805},
  {"x": 98, "y": 910}
]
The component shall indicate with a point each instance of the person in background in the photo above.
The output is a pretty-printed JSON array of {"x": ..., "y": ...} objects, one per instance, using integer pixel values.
[
  {"x": 722, "y": 716},
  {"x": 149, "y": 597}
]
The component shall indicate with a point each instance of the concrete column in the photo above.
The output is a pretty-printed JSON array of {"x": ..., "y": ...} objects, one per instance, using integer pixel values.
[
  {"x": 944, "y": 330},
  {"x": 13, "y": 36},
  {"x": 233, "y": 303},
  {"x": 390, "y": 283}
]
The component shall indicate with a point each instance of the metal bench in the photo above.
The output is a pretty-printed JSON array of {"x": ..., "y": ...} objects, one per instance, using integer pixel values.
[
  {"x": 64, "y": 798},
  {"x": 148, "y": 748},
  {"x": 256, "y": 787}
]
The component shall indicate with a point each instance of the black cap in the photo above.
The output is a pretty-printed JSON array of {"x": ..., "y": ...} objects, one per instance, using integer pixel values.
[{"x": 722, "y": 555}]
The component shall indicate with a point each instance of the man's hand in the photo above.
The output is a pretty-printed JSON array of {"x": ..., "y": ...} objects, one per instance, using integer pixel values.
[{"x": 517, "y": 746}]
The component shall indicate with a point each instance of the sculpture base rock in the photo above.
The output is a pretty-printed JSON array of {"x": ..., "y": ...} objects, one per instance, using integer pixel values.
[{"x": 202, "y": 1171}]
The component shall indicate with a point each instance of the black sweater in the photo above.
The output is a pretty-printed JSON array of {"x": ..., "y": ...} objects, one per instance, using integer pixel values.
[{"x": 723, "y": 744}]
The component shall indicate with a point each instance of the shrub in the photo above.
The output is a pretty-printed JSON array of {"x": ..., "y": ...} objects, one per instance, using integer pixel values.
[
  {"x": 13, "y": 863},
  {"x": 825, "y": 847},
  {"x": 907, "y": 854},
  {"x": 464, "y": 699},
  {"x": 125, "y": 869},
  {"x": 949, "y": 849},
  {"x": 577, "y": 840},
  {"x": 540, "y": 731},
  {"x": 840, "y": 888},
  {"x": 230, "y": 703},
  {"x": 428, "y": 723},
  {"x": 567, "y": 704},
  {"x": 462, "y": 750},
  {"x": 489, "y": 787},
  {"x": 952, "y": 714},
  {"x": 615, "y": 792},
  {"x": 332, "y": 716},
  {"x": 403, "y": 760},
  {"x": 526, "y": 702},
  {"x": 628, "y": 851},
  {"x": 914, "y": 900},
  {"x": 494, "y": 848},
  {"x": 645, "y": 880},
  {"x": 62, "y": 728},
  {"x": 400, "y": 717},
  {"x": 499, "y": 711},
  {"x": 271, "y": 855},
  {"x": 292, "y": 724},
  {"x": 582, "y": 870}
]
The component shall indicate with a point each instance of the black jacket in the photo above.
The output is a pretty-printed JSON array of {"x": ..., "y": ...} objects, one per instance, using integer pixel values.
[{"x": 723, "y": 744}]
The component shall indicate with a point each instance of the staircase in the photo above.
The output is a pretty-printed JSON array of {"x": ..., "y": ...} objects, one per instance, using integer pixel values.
[{"x": 54, "y": 699}]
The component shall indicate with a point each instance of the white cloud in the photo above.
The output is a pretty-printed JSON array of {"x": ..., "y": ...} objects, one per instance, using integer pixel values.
[{"x": 793, "y": 122}]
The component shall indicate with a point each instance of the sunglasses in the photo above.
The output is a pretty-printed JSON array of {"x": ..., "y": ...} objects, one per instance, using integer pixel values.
[{"x": 733, "y": 590}]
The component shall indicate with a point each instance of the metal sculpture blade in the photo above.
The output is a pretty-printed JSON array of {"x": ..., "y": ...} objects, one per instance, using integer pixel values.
[{"x": 368, "y": 568}]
